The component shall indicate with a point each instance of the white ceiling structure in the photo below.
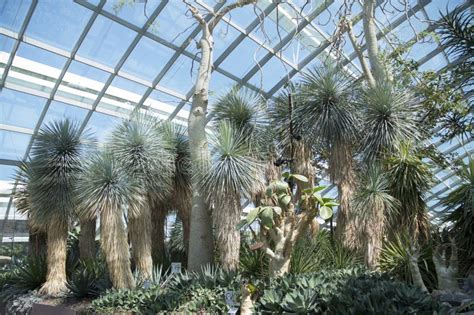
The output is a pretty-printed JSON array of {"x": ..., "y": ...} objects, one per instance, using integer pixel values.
[{"x": 95, "y": 61}]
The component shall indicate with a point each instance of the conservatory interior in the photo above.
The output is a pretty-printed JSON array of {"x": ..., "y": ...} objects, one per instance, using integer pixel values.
[{"x": 236, "y": 157}]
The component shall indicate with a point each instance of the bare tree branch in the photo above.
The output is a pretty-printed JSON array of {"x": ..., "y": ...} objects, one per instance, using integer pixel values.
[{"x": 222, "y": 12}]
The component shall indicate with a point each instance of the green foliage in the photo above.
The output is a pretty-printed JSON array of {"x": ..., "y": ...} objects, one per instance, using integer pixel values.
[
  {"x": 13, "y": 249},
  {"x": 185, "y": 292},
  {"x": 56, "y": 160},
  {"x": 253, "y": 263},
  {"x": 25, "y": 275},
  {"x": 373, "y": 294},
  {"x": 90, "y": 279},
  {"x": 395, "y": 260}
]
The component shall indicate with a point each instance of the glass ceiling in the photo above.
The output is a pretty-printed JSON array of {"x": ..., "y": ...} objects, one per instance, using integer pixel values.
[{"x": 95, "y": 61}]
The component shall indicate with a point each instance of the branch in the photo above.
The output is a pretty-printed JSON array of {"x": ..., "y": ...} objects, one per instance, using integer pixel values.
[
  {"x": 196, "y": 14},
  {"x": 213, "y": 23},
  {"x": 268, "y": 251},
  {"x": 363, "y": 62}
]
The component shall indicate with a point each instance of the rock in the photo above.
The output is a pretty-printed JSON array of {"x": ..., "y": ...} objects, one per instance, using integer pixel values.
[{"x": 22, "y": 304}]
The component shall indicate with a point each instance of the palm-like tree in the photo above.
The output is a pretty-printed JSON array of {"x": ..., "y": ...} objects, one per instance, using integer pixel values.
[
  {"x": 373, "y": 205},
  {"x": 56, "y": 161},
  {"x": 460, "y": 212},
  {"x": 106, "y": 190},
  {"x": 144, "y": 156},
  {"x": 329, "y": 115},
  {"x": 179, "y": 199},
  {"x": 241, "y": 123},
  {"x": 410, "y": 179}
]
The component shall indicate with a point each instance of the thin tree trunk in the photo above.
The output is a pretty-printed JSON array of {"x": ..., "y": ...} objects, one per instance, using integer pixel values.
[
  {"x": 415, "y": 269},
  {"x": 56, "y": 252},
  {"x": 279, "y": 266},
  {"x": 87, "y": 248},
  {"x": 226, "y": 218},
  {"x": 158, "y": 216},
  {"x": 447, "y": 269},
  {"x": 201, "y": 242},
  {"x": 140, "y": 238},
  {"x": 115, "y": 247},
  {"x": 373, "y": 237}
]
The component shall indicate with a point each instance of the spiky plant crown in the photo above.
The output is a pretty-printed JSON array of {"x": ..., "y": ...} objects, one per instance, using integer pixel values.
[
  {"x": 327, "y": 111},
  {"x": 56, "y": 162},
  {"x": 143, "y": 153},
  {"x": 106, "y": 186},
  {"x": 373, "y": 194},
  {"x": 233, "y": 169},
  {"x": 389, "y": 118}
]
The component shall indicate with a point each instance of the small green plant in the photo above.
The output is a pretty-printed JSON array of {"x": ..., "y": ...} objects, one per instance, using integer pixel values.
[{"x": 90, "y": 279}]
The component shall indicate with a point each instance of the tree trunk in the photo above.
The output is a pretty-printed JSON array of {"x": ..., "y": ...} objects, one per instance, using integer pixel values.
[
  {"x": 373, "y": 237},
  {"x": 158, "y": 216},
  {"x": 415, "y": 269},
  {"x": 140, "y": 238},
  {"x": 87, "y": 248},
  {"x": 226, "y": 218},
  {"x": 183, "y": 207},
  {"x": 115, "y": 247},
  {"x": 246, "y": 303},
  {"x": 56, "y": 252},
  {"x": 370, "y": 34},
  {"x": 342, "y": 173},
  {"x": 201, "y": 241},
  {"x": 446, "y": 269},
  {"x": 302, "y": 164},
  {"x": 279, "y": 265}
]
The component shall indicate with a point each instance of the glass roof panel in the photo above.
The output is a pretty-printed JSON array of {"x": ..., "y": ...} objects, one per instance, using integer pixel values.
[
  {"x": 220, "y": 85},
  {"x": 135, "y": 12},
  {"x": 435, "y": 63},
  {"x": 59, "y": 111},
  {"x": 101, "y": 125},
  {"x": 271, "y": 73},
  {"x": 106, "y": 42},
  {"x": 166, "y": 26},
  {"x": 35, "y": 68},
  {"x": 239, "y": 66},
  {"x": 58, "y": 23},
  {"x": 180, "y": 77},
  {"x": 147, "y": 59},
  {"x": 20, "y": 109},
  {"x": 245, "y": 15},
  {"x": 81, "y": 84},
  {"x": 224, "y": 36},
  {"x": 6, "y": 46},
  {"x": 13, "y": 144},
  {"x": 162, "y": 103},
  {"x": 13, "y": 13},
  {"x": 7, "y": 175},
  {"x": 119, "y": 97}
]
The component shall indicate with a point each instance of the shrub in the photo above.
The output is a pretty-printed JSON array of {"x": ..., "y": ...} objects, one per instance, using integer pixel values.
[
  {"x": 90, "y": 279},
  {"x": 25, "y": 275}
]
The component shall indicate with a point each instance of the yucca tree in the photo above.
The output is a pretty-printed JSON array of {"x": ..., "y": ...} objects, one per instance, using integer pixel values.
[
  {"x": 56, "y": 162},
  {"x": 329, "y": 115},
  {"x": 233, "y": 174},
  {"x": 410, "y": 178},
  {"x": 179, "y": 198},
  {"x": 144, "y": 156},
  {"x": 459, "y": 208},
  {"x": 373, "y": 205},
  {"x": 106, "y": 190}
]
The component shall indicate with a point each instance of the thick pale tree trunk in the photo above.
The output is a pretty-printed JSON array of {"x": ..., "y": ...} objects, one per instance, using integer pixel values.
[
  {"x": 415, "y": 269},
  {"x": 201, "y": 243},
  {"x": 370, "y": 34},
  {"x": 140, "y": 238},
  {"x": 87, "y": 239},
  {"x": 447, "y": 269},
  {"x": 115, "y": 247},
  {"x": 246, "y": 302},
  {"x": 56, "y": 252},
  {"x": 158, "y": 216},
  {"x": 226, "y": 217},
  {"x": 302, "y": 165}
]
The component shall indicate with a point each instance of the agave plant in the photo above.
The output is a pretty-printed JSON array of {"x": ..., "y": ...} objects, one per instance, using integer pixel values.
[
  {"x": 329, "y": 114},
  {"x": 374, "y": 204},
  {"x": 56, "y": 161},
  {"x": 459, "y": 209},
  {"x": 106, "y": 190},
  {"x": 234, "y": 173},
  {"x": 144, "y": 156}
]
